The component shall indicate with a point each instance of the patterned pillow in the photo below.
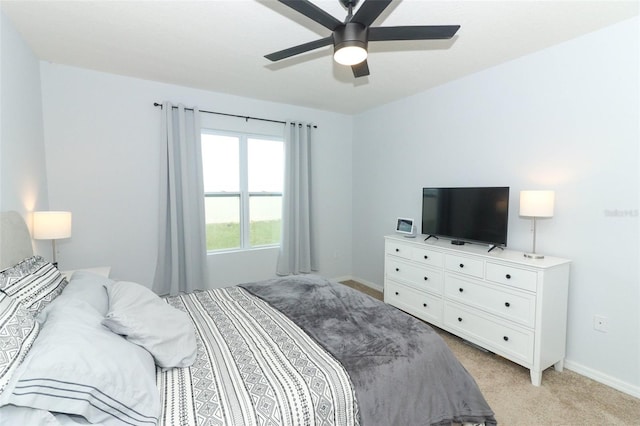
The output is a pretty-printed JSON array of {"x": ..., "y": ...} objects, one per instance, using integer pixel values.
[
  {"x": 18, "y": 330},
  {"x": 25, "y": 267},
  {"x": 34, "y": 283}
]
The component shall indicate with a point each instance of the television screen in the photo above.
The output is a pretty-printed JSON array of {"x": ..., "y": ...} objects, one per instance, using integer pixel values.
[{"x": 466, "y": 214}]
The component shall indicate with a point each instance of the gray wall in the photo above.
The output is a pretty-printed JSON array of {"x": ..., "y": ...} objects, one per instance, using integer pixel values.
[
  {"x": 102, "y": 143},
  {"x": 566, "y": 119},
  {"x": 23, "y": 180}
]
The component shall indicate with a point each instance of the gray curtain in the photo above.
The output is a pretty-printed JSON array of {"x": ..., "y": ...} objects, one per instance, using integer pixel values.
[
  {"x": 296, "y": 254},
  {"x": 181, "y": 264}
]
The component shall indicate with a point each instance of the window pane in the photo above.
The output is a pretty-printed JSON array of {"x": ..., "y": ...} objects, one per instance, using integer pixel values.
[
  {"x": 265, "y": 220},
  {"x": 266, "y": 165},
  {"x": 221, "y": 163},
  {"x": 222, "y": 217}
]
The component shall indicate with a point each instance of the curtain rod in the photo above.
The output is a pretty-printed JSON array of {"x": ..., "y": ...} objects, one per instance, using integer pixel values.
[{"x": 246, "y": 117}]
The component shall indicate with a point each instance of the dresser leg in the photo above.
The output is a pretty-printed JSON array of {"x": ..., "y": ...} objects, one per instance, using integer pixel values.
[
  {"x": 536, "y": 377},
  {"x": 559, "y": 366}
]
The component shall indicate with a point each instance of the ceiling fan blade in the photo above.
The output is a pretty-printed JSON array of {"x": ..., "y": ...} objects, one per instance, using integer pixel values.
[
  {"x": 421, "y": 32},
  {"x": 302, "y": 48},
  {"x": 369, "y": 11},
  {"x": 361, "y": 69},
  {"x": 313, "y": 12}
]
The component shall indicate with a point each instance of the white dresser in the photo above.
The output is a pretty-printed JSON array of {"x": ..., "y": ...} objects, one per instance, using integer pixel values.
[{"x": 510, "y": 305}]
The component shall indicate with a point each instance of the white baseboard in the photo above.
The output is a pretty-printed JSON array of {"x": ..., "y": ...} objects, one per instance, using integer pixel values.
[
  {"x": 605, "y": 379},
  {"x": 343, "y": 278},
  {"x": 373, "y": 285}
]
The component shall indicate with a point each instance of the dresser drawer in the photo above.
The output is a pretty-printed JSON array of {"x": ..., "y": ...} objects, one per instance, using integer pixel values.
[
  {"x": 420, "y": 277},
  {"x": 465, "y": 265},
  {"x": 512, "y": 305},
  {"x": 428, "y": 257},
  {"x": 514, "y": 277},
  {"x": 512, "y": 341},
  {"x": 398, "y": 249},
  {"x": 422, "y": 305}
]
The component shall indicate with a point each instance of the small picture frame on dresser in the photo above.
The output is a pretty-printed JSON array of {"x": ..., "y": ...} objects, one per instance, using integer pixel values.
[{"x": 405, "y": 226}]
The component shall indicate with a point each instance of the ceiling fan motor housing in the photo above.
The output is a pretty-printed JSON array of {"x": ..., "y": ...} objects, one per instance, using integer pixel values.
[
  {"x": 351, "y": 34},
  {"x": 349, "y": 3}
]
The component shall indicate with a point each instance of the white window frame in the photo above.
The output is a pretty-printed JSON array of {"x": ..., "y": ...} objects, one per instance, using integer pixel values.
[{"x": 244, "y": 195}]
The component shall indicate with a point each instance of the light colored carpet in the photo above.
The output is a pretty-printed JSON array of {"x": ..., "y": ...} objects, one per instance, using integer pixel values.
[{"x": 565, "y": 398}]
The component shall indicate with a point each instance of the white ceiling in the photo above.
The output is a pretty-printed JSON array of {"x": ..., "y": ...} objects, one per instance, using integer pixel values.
[{"x": 219, "y": 45}]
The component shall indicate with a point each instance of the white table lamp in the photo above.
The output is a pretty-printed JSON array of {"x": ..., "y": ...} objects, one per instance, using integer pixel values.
[
  {"x": 51, "y": 225},
  {"x": 536, "y": 204}
]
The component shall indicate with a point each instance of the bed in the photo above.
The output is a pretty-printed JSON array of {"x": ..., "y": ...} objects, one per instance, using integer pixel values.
[{"x": 299, "y": 350}]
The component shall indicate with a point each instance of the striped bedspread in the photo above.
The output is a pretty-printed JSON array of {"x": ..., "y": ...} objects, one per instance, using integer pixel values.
[{"x": 254, "y": 367}]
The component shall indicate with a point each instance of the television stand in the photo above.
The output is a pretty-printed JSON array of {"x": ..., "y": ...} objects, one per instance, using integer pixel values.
[
  {"x": 501, "y": 301},
  {"x": 457, "y": 242},
  {"x": 431, "y": 236}
]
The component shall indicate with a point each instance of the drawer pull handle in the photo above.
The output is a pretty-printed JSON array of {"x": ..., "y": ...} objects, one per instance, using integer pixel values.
[
  {"x": 462, "y": 265},
  {"x": 397, "y": 294},
  {"x": 426, "y": 257},
  {"x": 461, "y": 289},
  {"x": 424, "y": 304},
  {"x": 426, "y": 278},
  {"x": 397, "y": 250},
  {"x": 508, "y": 276},
  {"x": 459, "y": 319},
  {"x": 507, "y": 304},
  {"x": 506, "y": 338},
  {"x": 397, "y": 269}
]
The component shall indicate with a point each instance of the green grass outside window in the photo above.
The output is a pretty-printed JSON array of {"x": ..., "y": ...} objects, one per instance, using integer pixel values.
[{"x": 224, "y": 236}]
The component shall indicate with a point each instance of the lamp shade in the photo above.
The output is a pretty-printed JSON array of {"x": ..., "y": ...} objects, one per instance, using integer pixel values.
[
  {"x": 537, "y": 203},
  {"x": 51, "y": 225}
]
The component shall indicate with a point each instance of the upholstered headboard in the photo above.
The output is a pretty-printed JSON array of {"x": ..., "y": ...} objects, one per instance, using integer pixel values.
[{"x": 15, "y": 240}]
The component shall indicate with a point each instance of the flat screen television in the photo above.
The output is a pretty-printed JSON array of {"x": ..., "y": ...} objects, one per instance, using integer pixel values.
[{"x": 478, "y": 214}]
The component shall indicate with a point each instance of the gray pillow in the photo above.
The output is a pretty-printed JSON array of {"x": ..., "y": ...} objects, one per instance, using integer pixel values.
[
  {"x": 147, "y": 320},
  {"x": 78, "y": 367},
  {"x": 90, "y": 287}
]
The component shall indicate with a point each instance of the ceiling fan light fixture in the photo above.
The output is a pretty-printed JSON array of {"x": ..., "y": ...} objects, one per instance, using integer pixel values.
[
  {"x": 350, "y": 44},
  {"x": 350, "y": 54}
]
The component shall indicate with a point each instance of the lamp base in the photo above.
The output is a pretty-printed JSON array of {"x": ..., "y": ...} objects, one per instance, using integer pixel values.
[{"x": 534, "y": 256}]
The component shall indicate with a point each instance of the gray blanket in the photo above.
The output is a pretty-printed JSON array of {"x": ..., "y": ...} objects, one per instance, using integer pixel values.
[{"x": 403, "y": 372}]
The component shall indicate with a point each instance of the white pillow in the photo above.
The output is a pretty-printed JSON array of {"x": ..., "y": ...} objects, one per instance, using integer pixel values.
[
  {"x": 76, "y": 366},
  {"x": 13, "y": 415},
  {"x": 146, "y": 320}
]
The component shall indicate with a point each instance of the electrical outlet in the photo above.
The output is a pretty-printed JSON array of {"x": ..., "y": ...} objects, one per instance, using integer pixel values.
[{"x": 601, "y": 323}]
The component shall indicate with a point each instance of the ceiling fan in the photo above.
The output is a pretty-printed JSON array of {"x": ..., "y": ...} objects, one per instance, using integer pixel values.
[{"x": 350, "y": 38}]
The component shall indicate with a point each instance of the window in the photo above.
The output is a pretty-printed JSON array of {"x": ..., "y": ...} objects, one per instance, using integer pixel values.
[{"x": 243, "y": 182}]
